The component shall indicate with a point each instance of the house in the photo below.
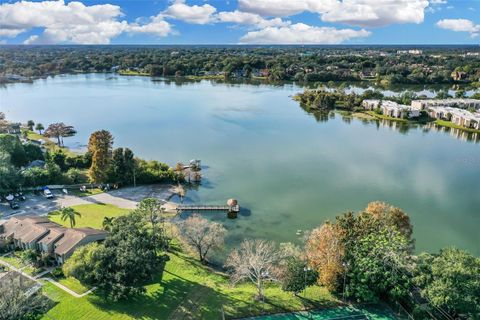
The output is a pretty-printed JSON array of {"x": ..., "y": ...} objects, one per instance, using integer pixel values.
[
  {"x": 466, "y": 119},
  {"x": 370, "y": 104},
  {"x": 462, "y": 103},
  {"x": 368, "y": 74},
  {"x": 457, "y": 116},
  {"x": 74, "y": 238},
  {"x": 10, "y": 127},
  {"x": 391, "y": 108},
  {"x": 442, "y": 113},
  {"x": 458, "y": 75},
  {"x": 411, "y": 51},
  {"x": 395, "y": 110},
  {"x": 40, "y": 234}
]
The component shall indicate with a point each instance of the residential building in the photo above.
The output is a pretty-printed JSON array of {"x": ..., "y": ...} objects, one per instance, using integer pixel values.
[
  {"x": 370, "y": 104},
  {"x": 462, "y": 103},
  {"x": 458, "y": 75},
  {"x": 457, "y": 116},
  {"x": 39, "y": 233},
  {"x": 411, "y": 51},
  {"x": 10, "y": 127},
  {"x": 391, "y": 108}
]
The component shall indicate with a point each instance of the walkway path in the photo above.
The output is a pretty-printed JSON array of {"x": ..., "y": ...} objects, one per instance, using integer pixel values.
[
  {"x": 37, "y": 279},
  {"x": 71, "y": 292}
]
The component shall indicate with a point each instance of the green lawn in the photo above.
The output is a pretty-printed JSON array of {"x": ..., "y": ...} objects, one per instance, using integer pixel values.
[
  {"x": 13, "y": 259},
  {"x": 450, "y": 124},
  {"x": 381, "y": 116},
  {"x": 187, "y": 291},
  {"x": 89, "y": 192},
  {"x": 73, "y": 284},
  {"x": 91, "y": 215},
  {"x": 50, "y": 144},
  {"x": 133, "y": 73}
]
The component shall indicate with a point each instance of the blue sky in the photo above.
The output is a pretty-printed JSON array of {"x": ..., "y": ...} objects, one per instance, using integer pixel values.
[{"x": 240, "y": 21}]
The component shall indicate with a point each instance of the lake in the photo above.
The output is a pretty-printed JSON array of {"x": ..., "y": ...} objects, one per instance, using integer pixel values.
[{"x": 289, "y": 169}]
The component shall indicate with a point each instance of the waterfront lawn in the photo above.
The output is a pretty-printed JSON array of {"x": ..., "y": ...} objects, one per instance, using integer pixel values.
[
  {"x": 450, "y": 124},
  {"x": 187, "y": 290},
  {"x": 91, "y": 215},
  {"x": 381, "y": 116},
  {"x": 132, "y": 73},
  {"x": 49, "y": 143}
]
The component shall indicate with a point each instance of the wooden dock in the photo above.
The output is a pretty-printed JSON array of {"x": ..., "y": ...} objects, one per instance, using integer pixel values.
[{"x": 197, "y": 207}]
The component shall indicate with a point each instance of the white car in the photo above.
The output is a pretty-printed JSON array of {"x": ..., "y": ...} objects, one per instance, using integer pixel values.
[{"x": 48, "y": 194}]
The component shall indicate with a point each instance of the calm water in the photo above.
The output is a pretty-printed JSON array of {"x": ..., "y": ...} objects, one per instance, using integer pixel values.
[{"x": 289, "y": 170}]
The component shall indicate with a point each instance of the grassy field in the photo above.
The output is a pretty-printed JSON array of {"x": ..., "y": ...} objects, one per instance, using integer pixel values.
[
  {"x": 381, "y": 116},
  {"x": 89, "y": 192},
  {"x": 187, "y": 290},
  {"x": 132, "y": 73},
  {"x": 206, "y": 77},
  {"x": 450, "y": 124},
  {"x": 91, "y": 215},
  {"x": 13, "y": 259},
  {"x": 50, "y": 144},
  {"x": 73, "y": 284}
]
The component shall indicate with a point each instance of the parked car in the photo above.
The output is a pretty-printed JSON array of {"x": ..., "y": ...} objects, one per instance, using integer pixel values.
[
  {"x": 14, "y": 205},
  {"x": 20, "y": 196},
  {"x": 48, "y": 194}
]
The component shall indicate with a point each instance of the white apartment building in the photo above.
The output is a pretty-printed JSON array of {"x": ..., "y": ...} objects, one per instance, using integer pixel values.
[{"x": 454, "y": 103}]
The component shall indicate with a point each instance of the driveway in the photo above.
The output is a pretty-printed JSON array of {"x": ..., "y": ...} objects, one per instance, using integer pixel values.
[{"x": 126, "y": 198}]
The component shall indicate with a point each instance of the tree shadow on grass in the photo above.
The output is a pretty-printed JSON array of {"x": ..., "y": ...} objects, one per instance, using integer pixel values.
[{"x": 176, "y": 297}]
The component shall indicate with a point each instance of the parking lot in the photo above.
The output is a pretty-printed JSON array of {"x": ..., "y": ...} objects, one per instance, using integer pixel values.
[{"x": 126, "y": 198}]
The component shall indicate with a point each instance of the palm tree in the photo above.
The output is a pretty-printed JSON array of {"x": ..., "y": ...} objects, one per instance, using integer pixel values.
[
  {"x": 39, "y": 127},
  {"x": 30, "y": 125},
  {"x": 108, "y": 223},
  {"x": 69, "y": 213}
]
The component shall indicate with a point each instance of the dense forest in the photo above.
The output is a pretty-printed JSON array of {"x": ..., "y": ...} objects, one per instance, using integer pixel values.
[{"x": 385, "y": 65}]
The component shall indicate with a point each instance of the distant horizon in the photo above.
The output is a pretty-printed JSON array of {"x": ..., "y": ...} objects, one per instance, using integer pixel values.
[{"x": 241, "y": 45}]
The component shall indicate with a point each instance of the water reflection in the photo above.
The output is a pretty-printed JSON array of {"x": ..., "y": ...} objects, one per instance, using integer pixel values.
[
  {"x": 400, "y": 126},
  {"x": 358, "y": 87}
]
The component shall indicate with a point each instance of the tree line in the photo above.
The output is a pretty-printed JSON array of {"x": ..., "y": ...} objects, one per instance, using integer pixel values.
[
  {"x": 362, "y": 257},
  {"x": 312, "y": 64},
  {"x": 100, "y": 164},
  {"x": 359, "y": 257}
]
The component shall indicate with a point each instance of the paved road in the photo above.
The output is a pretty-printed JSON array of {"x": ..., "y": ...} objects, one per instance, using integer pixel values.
[{"x": 126, "y": 198}]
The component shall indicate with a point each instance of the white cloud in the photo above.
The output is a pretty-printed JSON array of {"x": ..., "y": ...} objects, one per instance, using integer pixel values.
[
  {"x": 72, "y": 23},
  {"x": 300, "y": 33},
  {"x": 10, "y": 32},
  {"x": 365, "y": 13},
  {"x": 438, "y": 1},
  {"x": 156, "y": 26},
  {"x": 192, "y": 14},
  {"x": 247, "y": 18},
  {"x": 460, "y": 25},
  {"x": 283, "y": 8}
]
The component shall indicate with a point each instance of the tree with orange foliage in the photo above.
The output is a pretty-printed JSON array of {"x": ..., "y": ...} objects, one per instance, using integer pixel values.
[
  {"x": 392, "y": 216},
  {"x": 325, "y": 252}
]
